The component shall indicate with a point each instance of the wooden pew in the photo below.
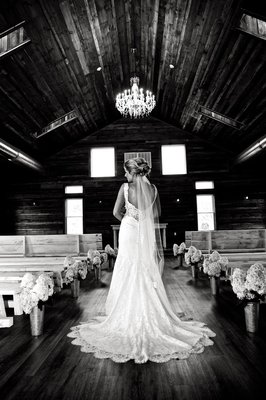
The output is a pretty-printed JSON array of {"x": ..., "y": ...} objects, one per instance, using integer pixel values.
[
  {"x": 13, "y": 246},
  {"x": 41, "y": 253},
  {"x": 242, "y": 247}
]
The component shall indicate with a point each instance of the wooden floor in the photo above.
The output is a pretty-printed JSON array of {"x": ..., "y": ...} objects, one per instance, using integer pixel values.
[{"x": 50, "y": 367}]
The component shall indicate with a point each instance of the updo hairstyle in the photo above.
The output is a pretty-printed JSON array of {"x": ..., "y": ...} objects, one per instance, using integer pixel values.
[{"x": 137, "y": 166}]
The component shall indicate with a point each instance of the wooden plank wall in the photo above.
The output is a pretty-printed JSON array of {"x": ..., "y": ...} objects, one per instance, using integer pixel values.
[{"x": 36, "y": 203}]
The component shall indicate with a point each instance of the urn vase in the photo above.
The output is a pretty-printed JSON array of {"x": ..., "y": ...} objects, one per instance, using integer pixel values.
[
  {"x": 36, "y": 319},
  {"x": 252, "y": 316},
  {"x": 75, "y": 285},
  {"x": 215, "y": 285},
  {"x": 195, "y": 271},
  {"x": 111, "y": 263},
  {"x": 180, "y": 260}
]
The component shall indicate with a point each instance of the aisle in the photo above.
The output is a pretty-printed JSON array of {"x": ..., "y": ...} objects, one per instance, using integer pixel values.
[{"x": 50, "y": 367}]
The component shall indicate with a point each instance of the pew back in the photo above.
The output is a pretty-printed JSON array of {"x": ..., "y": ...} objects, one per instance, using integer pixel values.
[
  {"x": 49, "y": 245},
  {"x": 230, "y": 241},
  {"x": 12, "y": 246}
]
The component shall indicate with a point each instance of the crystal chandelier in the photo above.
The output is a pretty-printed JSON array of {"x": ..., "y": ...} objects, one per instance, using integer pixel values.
[{"x": 134, "y": 102}]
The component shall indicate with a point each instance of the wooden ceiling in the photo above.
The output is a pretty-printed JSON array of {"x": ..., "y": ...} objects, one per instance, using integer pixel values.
[{"x": 216, "y": 66}]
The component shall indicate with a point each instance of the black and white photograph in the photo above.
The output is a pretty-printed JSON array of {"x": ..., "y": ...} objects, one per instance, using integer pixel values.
[{"x": 133, "y": 199}]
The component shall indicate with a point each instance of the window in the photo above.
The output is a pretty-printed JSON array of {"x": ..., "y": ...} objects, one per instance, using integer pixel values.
[
  {"x": 73, "y": 189},
  {"x": 102, "y": 162},
  {"x": 174, "y": 159},
  {"x": 74, "y": 216},
  {"x": 74, "y": 210},
  {"x": 204, "y": 185},
  {"x": 206, "y": 212},
  {"x": 145, "y": 155}
]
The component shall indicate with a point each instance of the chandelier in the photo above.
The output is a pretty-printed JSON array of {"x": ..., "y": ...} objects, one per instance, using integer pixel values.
[{"x": 134, "y": 102}]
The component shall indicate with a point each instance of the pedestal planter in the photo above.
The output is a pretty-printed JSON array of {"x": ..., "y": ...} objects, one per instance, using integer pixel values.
[
  {"x": 215, "y": 285},
  {"x": 75, "y": 285},
  {"x": 180, "y": 260},
  {"x": 36, "y": 320},
  {"x": 98, "y": 272},
  {"x": 252, "y": 316},
  {"x": 194, "y": 271},
  {"x": 111, "y": 263}
]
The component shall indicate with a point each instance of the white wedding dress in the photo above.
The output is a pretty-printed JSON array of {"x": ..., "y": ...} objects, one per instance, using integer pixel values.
[{"x": 139, "y": 322}]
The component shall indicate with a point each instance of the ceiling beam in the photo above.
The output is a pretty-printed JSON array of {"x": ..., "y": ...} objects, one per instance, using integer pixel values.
[
  {"x": 250, "y": 151},
  {"x": 14, "y": 154}
]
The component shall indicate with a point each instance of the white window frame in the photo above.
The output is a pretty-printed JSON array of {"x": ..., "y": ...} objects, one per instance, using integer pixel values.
[
  {"x": 203, "y": 185},
  {"x": 213, "y": 212},
  {"x": 93, "y": 174},
  {"x": 73, "y": 192},
  {"x": 143, "y": 154},
  {"x": 73, "y": 189},
  {"x": 165, "y": 170}
]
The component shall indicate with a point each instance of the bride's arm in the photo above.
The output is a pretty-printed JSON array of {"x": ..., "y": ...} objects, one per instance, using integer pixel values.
[{"x": 119, "y": 204}]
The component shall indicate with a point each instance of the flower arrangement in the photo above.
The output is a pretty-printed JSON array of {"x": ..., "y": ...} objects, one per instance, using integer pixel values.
[
  {"x": 74, "y": 269},
  {"x": 110, "y": 251},
  {"x": 193, "y": 256},
  {"x": 215, "y": 264},
  {"x": 96, "y": 259},
  {"x": 179, "y": 249},
  {"x": 35, "y": 289},
  {"x": 249, "y": 285}
]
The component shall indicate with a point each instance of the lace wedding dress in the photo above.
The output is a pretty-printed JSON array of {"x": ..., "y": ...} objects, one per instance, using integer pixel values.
[{"x": 139, "y": 322}]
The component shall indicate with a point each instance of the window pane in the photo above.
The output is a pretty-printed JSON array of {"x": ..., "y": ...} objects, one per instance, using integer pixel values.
[
  {"x": 206, "y": 222},
  {"x": 103, "y": 162},
  {"x": 205, "y": 203},
  {"x": 74, "y": 208},
  {"x": 74, "y": 225},
  {"x": 73, "y": 189},
  {"x": 204, "y": 185},
  {"x": 174, "y": 159},
  {"x": 146, "y": 155}
]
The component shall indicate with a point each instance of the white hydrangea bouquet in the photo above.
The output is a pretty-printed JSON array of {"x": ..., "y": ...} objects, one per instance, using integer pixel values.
[
  {"x": 74, "y": 269},
  {"x": 179, "y": 249},
  {"x": 112, "y": 254},
  {"x": 249, "y": 285},
  {"x": 193, "y": 256},
  {"x": 96, "y": 259},
  {"x": 35, "y": 289},
  {"x": 215, "y": 264},
  {"x": 110, "y": 251}
]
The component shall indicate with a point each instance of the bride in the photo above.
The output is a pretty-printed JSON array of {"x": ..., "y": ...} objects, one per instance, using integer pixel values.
[{"x": 139, "y": 323}]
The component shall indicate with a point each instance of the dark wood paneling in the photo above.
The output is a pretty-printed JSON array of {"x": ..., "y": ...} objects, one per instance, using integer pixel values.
[{"x": 36, "y": 203}]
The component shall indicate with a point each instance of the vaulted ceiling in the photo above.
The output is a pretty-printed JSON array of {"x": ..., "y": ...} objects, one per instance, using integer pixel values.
[{"x": 216, "y": 66}]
